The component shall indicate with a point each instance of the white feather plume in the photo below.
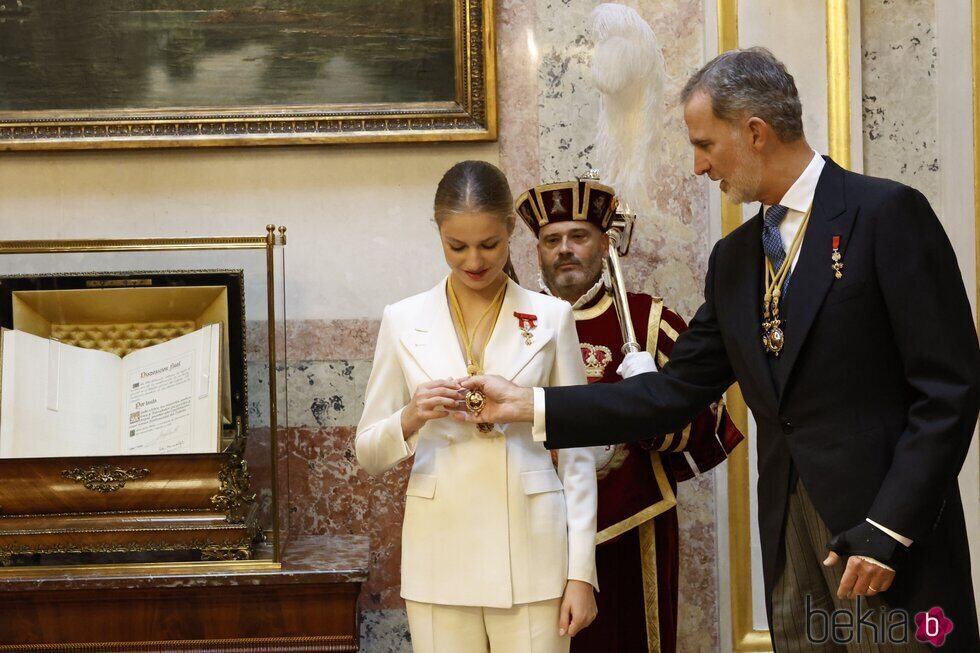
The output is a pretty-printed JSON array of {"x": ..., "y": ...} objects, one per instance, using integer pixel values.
[{"x": 628, "y": 70}]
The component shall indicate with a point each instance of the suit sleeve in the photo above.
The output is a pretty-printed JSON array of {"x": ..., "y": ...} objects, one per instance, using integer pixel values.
[
  {"x": 933, "y": 327},
  {"x": 576, "y": 467},
  {"x": 652, "y": 403},
  {"x": 711, "y": 435},
  {"x": 380, "y": 443}
]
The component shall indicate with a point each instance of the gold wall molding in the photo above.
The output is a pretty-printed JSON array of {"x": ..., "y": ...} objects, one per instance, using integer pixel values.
[
  {"x": 745, "y": 637},
  {"x": 838, "y": 84},
  {"x": 975, "y": 63}
]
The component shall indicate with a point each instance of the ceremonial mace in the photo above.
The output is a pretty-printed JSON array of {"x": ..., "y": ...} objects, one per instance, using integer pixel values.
[{"x": 620, "y": 233}]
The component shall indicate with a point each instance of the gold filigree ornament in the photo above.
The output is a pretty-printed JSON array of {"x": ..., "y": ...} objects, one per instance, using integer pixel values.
[
  {"x": 475, "y": 403},
  {"x": 105, "y": 478}
]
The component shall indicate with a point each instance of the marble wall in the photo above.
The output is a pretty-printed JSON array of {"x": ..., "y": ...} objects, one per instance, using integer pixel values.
[
  {"x": 548, "y": 111},
  {"x": 899, "y": 56},
  {"x": 351, "y": 209}
]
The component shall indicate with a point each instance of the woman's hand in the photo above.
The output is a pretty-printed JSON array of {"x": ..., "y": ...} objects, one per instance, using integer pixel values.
[
  {"x": 432, "y": 400},
  {"x": 578, "y": 608}
]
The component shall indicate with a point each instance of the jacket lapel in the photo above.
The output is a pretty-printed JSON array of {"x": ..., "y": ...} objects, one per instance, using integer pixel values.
[
  {"x": 812, "y": 276},
  {"x": 432, "y": 341},
  {"x": 747, "y": 304},
  {"x": 507, "y": 353}
]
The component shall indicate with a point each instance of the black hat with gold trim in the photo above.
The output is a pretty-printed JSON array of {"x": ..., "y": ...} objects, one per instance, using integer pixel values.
[{"x": 582, "y": 199}]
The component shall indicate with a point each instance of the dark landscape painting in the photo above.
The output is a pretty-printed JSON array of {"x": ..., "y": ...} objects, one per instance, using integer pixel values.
[{"x": 112, "y": 55}]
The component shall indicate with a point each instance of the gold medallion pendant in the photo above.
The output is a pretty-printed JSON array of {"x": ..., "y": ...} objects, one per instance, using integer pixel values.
[
  {"x": 773, "y": 337},
  {"x": 475, "y": 400}
]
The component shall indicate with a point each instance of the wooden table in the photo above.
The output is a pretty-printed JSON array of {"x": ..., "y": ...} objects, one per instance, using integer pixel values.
[{"x": 308, "y": 605}]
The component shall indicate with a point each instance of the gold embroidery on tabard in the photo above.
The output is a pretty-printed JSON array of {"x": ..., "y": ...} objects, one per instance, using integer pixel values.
[
  {"x": 666, "y": 503},
  {"x": 653, "y": 325},
  {"x": 594, "y": 311},
  {"x": 596, "y": 359},
  {"x": 651, "y": 595},
  {"x": 669, "y": 331}
]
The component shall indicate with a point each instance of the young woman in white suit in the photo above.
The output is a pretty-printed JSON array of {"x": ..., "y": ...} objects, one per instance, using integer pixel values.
[{"x": 497, "y": 547}]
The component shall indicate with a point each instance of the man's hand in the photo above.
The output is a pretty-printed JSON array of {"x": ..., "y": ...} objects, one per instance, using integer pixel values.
[
  {"x": 872, "y": 557},
  {"x": 578, "y": 608},
  {"x": 636, "y": 362},
  {"x": 861, "y": 576},
  {"x": 505, "y": 402}
]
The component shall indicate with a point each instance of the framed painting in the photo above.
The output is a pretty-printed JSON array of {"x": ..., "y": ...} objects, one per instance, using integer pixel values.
[{"x": 194, "y": 73}]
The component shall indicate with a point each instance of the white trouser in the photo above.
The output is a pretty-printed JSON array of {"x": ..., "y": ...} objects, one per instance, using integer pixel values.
[{"x": 523, "y": 628}]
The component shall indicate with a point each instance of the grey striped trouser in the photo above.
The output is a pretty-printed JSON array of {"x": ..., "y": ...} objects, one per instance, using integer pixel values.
[{"x": 804, "y": 599}]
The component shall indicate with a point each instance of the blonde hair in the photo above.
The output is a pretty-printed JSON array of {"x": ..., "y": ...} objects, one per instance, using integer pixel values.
[{"x": 476, "y": 187}]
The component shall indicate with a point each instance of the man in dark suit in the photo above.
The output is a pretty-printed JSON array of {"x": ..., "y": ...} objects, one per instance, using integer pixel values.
[{"x": 840, "y": 311}]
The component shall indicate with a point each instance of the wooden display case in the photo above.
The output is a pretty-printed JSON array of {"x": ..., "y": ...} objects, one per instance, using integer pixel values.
[{"x": 127, "y": 508}]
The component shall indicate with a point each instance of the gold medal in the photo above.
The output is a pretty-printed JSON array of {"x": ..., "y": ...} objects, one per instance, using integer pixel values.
[
  {"x": 475, "y": 400},
  {"x": 773, "y": 337}
]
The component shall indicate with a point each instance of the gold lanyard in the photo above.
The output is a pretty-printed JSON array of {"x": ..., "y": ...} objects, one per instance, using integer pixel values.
[
  {"x": 773, "y": 337},
  {"x": 474, "y": 366}
]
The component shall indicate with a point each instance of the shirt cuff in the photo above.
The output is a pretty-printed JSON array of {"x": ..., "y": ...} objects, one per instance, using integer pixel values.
[
  {"x": 901, "y": 538},
  {"x": 537, "y": 426},
  {"x": 875, "y": 562}
]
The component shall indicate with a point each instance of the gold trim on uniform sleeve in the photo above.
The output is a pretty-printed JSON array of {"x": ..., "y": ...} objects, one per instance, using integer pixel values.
[
  {"x": 685, "y": 436},
  {"x": 668, "y": 440}
]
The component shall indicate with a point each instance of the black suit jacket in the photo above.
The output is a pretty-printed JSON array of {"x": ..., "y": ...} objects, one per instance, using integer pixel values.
[{"x": 873, "y": 400}]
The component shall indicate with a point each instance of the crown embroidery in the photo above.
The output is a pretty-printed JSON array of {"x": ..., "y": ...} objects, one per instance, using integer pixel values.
[{"x": 596, "y": 358}]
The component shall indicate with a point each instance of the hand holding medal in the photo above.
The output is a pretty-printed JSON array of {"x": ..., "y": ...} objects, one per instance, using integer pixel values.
[{"x": 474, "y": 399}]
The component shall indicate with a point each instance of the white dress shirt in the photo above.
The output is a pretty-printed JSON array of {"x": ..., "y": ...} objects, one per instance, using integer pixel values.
[{"x": 798, "y": 200}]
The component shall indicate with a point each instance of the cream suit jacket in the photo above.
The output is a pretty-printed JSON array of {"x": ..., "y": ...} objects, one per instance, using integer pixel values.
[{"x": 488, "y": 521}]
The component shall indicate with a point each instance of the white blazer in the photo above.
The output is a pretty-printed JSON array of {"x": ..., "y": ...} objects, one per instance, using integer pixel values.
[{"x": 488, "y": 521}]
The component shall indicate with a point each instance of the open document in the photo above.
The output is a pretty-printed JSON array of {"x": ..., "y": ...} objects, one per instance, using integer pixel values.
[{"x": 61, "y": 400}]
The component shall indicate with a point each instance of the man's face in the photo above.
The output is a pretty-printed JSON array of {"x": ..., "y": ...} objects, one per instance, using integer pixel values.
[
  {"x": 723, "y": 150},
  {"x": 570, "y": 255}
]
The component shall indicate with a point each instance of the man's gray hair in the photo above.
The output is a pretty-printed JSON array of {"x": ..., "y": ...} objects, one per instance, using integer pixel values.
[{"x": 750, "y": 82}]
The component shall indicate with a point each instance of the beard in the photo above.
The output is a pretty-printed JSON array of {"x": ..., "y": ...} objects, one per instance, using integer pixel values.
[
  {"x": 572, "y": 283},
  {"x": 746, "y": 178}
]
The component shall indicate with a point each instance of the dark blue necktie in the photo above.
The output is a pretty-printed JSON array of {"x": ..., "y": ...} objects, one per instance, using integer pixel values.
[{"x": 772, "y": 242}]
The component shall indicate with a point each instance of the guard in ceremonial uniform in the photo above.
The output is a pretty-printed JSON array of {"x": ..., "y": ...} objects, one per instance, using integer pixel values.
[{"x": 637, "y": 552}]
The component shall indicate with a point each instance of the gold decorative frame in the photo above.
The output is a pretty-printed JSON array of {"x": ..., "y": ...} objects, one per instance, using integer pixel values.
[
  {"x": 471, "y": 116},
  {"x": 745, "y": 637},
  {"x": 975, "y": 62},
  {"x": 232, "y": 487}
]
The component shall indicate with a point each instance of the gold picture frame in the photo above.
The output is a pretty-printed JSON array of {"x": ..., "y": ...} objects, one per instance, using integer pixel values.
[{"x": 465, "y": 110}]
